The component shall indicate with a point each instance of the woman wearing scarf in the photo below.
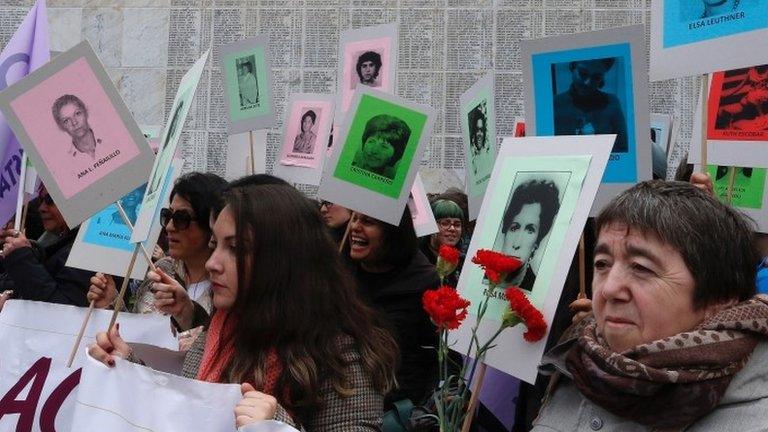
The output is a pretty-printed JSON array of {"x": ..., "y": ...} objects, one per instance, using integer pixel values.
[
  {"x": 678, "y": 337},
  {"x": 288, "y": 324}
]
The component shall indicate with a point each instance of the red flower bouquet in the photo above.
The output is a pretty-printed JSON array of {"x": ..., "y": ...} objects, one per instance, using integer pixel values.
[{"x": 448, "y": 309}]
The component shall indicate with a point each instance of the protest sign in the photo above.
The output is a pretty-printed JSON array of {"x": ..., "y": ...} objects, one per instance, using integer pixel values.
[
  {"x": 78, "y": 133},
  {"x": 372, "y": 167},
  {"x": 26, "y": 51},
  {"x": 562, "y": 175},
  {"x": 421, "y": 212},
  {"x": 115, "y": 400},
  {"x": 367, "y": 57},
  {"x": 306, "y": 131},
  {"x": 103, "y": 241},
  {"x": 477, "y": 109},
  {"x": 169, "y": 141},
  {"x": 593, "y": 83},
  {"x": 698, "y": 37},
  {"x": 36, "y": 388},
  {"x": 247, "y": 74}
]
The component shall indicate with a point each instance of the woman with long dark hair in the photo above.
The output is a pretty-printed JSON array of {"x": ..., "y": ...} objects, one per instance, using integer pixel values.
[{"x": 288, "y": 321}]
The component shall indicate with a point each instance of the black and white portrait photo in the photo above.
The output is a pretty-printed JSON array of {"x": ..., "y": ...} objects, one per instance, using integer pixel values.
[
  {"x": 71, "y": 116},
  {"x": 589, "y": 99},
  {"x": 247, "y": 83},
  {"x": 305, "y": 139},
  {"x": 384, "y": 140},
  {"x": 528, "y": 219},
  {"x": 368, "y": 67},
  {"x": 478, "y": 138},
  {"x": 163, "y": 153}
]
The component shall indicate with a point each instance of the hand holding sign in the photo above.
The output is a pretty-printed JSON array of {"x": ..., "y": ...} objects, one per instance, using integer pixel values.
[
  {"x": 108, "y": 345},
  {"x": 171, "y": 298},
  {"x": 254, "y": 406},
  {"x": 13, "y": 240},
  {"x": 102, "y": 291}
]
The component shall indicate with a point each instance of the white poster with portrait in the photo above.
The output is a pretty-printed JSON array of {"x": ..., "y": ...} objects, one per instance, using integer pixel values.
[{"x": 537, "y": 202}]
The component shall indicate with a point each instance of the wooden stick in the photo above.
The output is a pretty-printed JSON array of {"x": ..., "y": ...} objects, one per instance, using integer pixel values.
[
  {"x": 18, "y": 222},
  {"x": 704, "y": 103},
  {"x": 119, "y": 300},
  {"x": 346, "y": 232},
  {"x": 731, "y": 179},
  {"x": 253, "y": 162},
  {"x": 582, "y": 269},
  {"x": 473, "y": 400},
  {"x": 127, "y": 222},
  {"x": 80, "y": 334},
  {"x": 24, "y": 212}
]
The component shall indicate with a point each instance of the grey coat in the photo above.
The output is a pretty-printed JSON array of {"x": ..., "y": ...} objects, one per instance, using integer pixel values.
[
  {"x": 360, "y": 412},
  {"x": 743, "y": 408}
]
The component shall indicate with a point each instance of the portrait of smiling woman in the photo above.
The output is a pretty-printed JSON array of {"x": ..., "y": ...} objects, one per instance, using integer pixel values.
[
  {"x": 384, "y": 140},
  {"x": 678, "y": 337}
]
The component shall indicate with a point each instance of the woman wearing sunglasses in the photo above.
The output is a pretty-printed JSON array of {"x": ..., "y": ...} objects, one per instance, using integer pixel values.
[
  {"x": 37, "y": 271},
  {"x": 288, "y": 324},
  {"x": 181, "y": 288}
]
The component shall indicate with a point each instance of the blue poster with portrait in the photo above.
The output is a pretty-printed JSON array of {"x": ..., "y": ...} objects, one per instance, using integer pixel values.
[
  {"x": 107, "y": 228},
  {"x": 589, "y": 92},
  {"x": 690, "y": 21}
]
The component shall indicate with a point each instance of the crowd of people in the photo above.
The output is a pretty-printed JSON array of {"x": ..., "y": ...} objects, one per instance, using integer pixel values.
[{"x": 673, "y": 336}]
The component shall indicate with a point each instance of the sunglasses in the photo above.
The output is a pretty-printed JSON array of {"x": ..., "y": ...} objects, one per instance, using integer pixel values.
[
  {"x": 327, "y": 204},
  {"x": 181, "y": 218}
]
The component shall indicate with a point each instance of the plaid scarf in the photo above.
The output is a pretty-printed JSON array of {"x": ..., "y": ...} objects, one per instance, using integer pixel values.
[{"x": 670, "y": 382}]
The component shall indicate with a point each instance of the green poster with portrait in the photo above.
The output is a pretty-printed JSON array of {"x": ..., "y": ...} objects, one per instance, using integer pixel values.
[
  {"x": 380, "y": 144},
  {"x": 748, "y": 185},
  {"x": 530, "y": 207},
  {"x": 246, "y": 78}
]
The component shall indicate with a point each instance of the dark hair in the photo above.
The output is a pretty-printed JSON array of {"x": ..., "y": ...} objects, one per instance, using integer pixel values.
[
  {"x": 543, "y": 192},
  {"x": 607, "y": 64},
  {"x": 66, "y": 100},
  {"x": 204, "y": 193},
  {"x": 399, "y": 242},
  {"x": 285, "y": 257},
  {"x": 368, "y": 56},
  {"x": 475, "y": 115},
  {"x": 391, "y": 129},
  {"x": 247, "y": 63},
  {"x": 310, "y": 114},
  {"x": 715, "y": 241}
]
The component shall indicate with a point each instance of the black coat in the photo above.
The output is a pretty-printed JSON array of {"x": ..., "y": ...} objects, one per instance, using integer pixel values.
[
  {"x": 35, "y": 273},
  {"x": 396, "y": 295}
]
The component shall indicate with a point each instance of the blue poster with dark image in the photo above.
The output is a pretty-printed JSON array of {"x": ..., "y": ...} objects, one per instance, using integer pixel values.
[
  {"x": 690, "y": 21},
  {"x": 589, "y": 91}
]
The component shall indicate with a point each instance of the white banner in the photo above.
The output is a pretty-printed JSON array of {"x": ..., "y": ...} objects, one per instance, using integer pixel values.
[
  {"x": 115, "y": 400},
  {"x": 36, "y": 338}
]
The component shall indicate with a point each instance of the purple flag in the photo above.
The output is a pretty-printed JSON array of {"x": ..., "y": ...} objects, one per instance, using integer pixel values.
[{"x": 27, "y": 50}]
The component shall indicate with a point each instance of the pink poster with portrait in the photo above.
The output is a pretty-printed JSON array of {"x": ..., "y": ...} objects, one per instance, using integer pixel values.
[
  {"x": 306, "y": 132},
  {"x": 77, "y": 131},
  {"x": 368, "y": 57}
]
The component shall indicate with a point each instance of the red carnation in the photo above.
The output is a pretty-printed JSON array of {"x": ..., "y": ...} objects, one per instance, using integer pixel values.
[
  {"x": 445, "y": 307},
  {"x": 449, "y": 254},
  {"x": 496, "y": 265},
  {"x": 447, "y": 260},
  {"x": 521, "y": 309}
]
